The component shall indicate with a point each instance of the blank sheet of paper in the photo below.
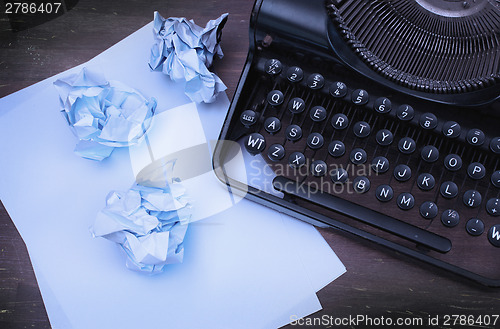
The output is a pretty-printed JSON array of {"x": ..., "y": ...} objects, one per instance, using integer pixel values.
[{"x": 245, "y": 266}]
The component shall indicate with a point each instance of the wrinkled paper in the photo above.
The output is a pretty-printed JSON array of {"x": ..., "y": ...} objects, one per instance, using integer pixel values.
[
  {"x": 148, "y": 222},
  {"x": 103, "y": 114},
  {"x": 185, "y": 51}
]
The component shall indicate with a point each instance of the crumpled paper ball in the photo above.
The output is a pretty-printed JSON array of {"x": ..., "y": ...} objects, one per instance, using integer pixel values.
[
  {"x": 185, "y": 51},
  {"x": 149, "y": 223},
  {"x": 103, "y": 114}
]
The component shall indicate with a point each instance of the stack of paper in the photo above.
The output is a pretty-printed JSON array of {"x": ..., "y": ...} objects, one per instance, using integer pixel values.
[{"x": 245, "y": 266}]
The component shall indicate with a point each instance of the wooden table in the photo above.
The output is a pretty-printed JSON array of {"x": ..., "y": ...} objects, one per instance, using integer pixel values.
[{"x": 378, "y": 283}]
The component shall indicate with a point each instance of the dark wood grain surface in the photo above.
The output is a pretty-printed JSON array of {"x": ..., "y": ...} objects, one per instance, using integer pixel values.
[{"x": 378, "y": 283}]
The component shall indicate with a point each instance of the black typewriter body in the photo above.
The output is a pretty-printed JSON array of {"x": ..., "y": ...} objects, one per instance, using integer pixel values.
[{"x": 377, "y": 118}]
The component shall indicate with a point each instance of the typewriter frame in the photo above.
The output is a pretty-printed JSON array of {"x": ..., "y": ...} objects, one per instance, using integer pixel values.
[{"x": 258, "y": 43}]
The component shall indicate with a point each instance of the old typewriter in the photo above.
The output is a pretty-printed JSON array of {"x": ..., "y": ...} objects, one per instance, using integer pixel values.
[{"x": 378, "y": 118}]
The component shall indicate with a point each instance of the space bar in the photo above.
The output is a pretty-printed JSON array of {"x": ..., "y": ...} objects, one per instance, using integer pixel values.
[{"x": 365, "y": 215}]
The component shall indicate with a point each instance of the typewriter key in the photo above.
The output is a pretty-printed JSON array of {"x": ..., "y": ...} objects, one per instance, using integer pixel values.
[
  {"x": 495, "y": 178},
  {"x": 384, "y": 193},
  {"x": 494, "y": 235},
  {"x": 340, "y": 121},
  {"x": 453, "y": 162},
  {"x": 276, "y": 152},
  {"x": 272, "y": 125},
  {"x": 402, "y": 173},
  {"x": 495, "y": 145},
  {"x": 472, "y": 198},
  {"x": 476, "y": 170},
  {"x": 429, "y": 210},
  {"x": 380, "y": 164},
  {"x": 360, "y": 97},
  {"x": 273, "y": 67},
  {"x": 275, "y": 97},
  {"x": 255, "y": 143},
  {"x": 338, "y": 89},
  {"x": 406, "y": 201},
  {"x": 475, "y": 226},
  {"x": 426, "y": 182},
  {"x": 405, "y": 112},
  {"x": 493, "y": 207},
  {"x": 336, "y": 149},
  {"x": 451, "y": 129},
  {"x": 449, "y": 190},
  {"x": 384, "y": 137},
  {"x": 429, "y": 154},
  {"x": 382, "y": 105},
  {"x": 294, "y": 74},
  {"x": 315, "y": 141},
  {"x": 407, "y": 145},
  {"x": 450, "y": 218},
  {"x": 475, "y": 137}
]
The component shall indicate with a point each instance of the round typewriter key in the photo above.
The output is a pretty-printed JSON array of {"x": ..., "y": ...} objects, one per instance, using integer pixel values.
[
  {"x": 319, "y": 168},
  {"x": 451, "y": 129},
  {"x": 495, "y": 178},
  {"x": 453, "y": 162},
  {"x": 405, "y": 112},
  {"x": 495, "y": 145},
  {"x": 472, "y": 198},
  {"x": 315, "y": 81},
  {"x": 475, "y": 137},
  {"x": 294, "y": 74},
  {"x": 296, "y": 105},
  {"x": 296, "y": 160},
  {"x": 384, "y": 193},
  {"x": 449, "y": 190},
  {"x": 426, "y": 182},
  {"x": 382, "y": 105},
  {"x": 450, "y": 218},
  {"x": 380, "y": 164},
  {"x": 315, "y": 141},
  {"x": 248, "y": 118},
  {"x": 493, "y": 207},
  {"x": 428, "y": 121},
  {"x": 407, "y": 145},
  {"x": 428, "y": 210},
  {"x": 360, "y": 97},
  {"x": 336, "y": 149},
  {"x": 338, "y": 89},
  {"x": 406, "y": 201},
  {"x": 340, "y": 121},
  {"x": 255, "y": 143},
  {"x": 293, "y": 133},
  {"x": 275, "y": 97},
  {"x": 272, "y": 125},
  {"x": 276, "y": 152},
  {"x": 476, "y": 170},
  {"x": 474, "y": 226},
  {"x": 494, "y": 235},
  {"x": 402, "y": 173},
  {"x": 429, "y": 154},
  {"x": 361, "y": 129},
  {"x": 361, "y": 184},
  {"x": 339, "y": 175},
  {"x": 358, "y": 156},
  {"x": 273, "y": 67},
  {"x": 318, "y": 113},
  {"x": 384, "y": 137}
]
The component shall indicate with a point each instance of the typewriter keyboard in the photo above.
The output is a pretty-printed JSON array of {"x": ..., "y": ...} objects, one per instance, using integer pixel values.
[{"x": 400, "y": 169}]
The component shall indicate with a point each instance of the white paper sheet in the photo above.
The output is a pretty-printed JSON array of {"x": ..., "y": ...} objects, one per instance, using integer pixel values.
[{"x": 242, "y": 266}]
